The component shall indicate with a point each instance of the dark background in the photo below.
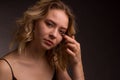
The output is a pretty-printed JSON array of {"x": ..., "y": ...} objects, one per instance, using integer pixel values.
[{"x": 98, "y": 33}]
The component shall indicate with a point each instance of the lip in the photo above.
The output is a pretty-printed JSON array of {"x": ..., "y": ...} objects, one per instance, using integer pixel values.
[{"x": 48, "y": 42}]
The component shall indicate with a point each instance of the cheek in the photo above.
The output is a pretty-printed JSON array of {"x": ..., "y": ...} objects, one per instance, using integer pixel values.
[
  {"x": 38, "y": 34},
  {"x": 41, "y": 31},
  {"x": 60, "y": 38}
]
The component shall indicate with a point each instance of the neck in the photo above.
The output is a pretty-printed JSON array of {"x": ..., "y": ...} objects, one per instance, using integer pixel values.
[{"x": 34, "y": 52}]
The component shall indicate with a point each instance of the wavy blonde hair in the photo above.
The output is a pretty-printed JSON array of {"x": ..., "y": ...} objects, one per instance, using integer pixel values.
[{"x": 26, "y": 24}]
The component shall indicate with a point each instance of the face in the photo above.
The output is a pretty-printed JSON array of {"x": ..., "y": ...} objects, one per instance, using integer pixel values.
[{"x": 48, "y": 31}]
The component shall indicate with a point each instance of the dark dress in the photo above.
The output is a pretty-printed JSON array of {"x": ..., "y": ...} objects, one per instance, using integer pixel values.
[{"x": 14, "y": 78}]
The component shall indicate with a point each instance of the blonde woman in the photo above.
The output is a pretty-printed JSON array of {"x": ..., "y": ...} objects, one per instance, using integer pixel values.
[{"x": 46, "y": 45}]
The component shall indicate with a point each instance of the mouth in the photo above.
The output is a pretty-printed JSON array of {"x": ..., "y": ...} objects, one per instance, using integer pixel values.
[{"x": 48, "y": 42}]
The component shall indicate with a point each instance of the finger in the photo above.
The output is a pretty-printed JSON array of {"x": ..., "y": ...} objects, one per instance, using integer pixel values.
[
  {"x": 71, "y": 46},
  {"x": 70, "y": 52},
  {"x": 69, "y": 39},
  {"x": 73, "y": 37}
]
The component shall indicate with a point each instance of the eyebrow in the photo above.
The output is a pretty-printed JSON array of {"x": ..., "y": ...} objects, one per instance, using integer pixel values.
[{"x": 51, "y": 21}]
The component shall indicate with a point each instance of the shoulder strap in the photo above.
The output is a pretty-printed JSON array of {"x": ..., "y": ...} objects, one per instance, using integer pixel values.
[{"x": 9, "y": 66}]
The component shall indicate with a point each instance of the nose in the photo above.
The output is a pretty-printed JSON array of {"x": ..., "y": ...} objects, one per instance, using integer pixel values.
[{"x": 53, "y": 34}]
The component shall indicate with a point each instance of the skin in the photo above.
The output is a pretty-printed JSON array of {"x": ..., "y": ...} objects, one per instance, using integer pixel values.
[
  {"x": 50, "y": 28},
  {"x": 48, "y": 33}
]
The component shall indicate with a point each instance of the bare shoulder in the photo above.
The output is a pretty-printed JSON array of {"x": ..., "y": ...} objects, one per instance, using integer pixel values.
[{"x": 5, "y": 72}]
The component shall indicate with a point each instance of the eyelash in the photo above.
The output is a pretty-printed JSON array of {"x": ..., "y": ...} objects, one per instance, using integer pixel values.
[
  {"x": 49, "y": 24},
  {"x": 62, "y": 32}
]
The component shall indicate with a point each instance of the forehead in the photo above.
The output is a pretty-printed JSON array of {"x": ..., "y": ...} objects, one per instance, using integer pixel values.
[{"x": 58, "y": 16}]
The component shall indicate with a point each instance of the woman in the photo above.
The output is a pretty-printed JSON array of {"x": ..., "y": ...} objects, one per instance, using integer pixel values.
[{"x": 46, "y": 45}]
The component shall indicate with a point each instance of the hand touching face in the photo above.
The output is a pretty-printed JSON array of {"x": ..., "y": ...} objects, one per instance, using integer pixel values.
[{"x": 73, "y": 48}]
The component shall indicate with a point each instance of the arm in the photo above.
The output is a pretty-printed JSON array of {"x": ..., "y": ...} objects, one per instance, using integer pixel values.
[
  {"x": 77, "y": 72},
  {"x": 62, "y": 75},
  {"x": 73, "y": 49}
]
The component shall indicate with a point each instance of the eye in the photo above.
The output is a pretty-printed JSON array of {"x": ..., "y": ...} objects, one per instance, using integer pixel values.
[
  {"x": 49, "y": 24},
  {"x": 62, "y": 32}
]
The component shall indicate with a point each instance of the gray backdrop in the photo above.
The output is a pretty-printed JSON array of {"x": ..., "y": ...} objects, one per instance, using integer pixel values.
[{"x": 97, "y": 23}]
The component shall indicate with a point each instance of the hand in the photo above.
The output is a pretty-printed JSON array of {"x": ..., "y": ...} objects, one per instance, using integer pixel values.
[{"x": 73, "y": 49}]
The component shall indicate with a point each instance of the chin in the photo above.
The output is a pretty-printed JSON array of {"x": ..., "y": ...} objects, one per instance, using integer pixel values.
[{"x": 46, "y": 47}]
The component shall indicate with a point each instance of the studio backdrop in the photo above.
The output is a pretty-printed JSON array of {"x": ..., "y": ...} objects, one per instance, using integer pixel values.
[{"x": 96, "y": 22}]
